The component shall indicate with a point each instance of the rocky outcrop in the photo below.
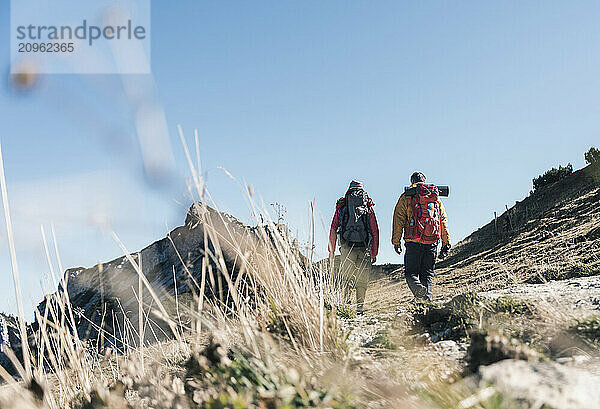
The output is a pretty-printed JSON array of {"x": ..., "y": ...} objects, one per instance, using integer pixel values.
[
  {"x": 4, "y": 335},
  {"x": 9, "y": 339},
  {"x": 105, "y": 297}
]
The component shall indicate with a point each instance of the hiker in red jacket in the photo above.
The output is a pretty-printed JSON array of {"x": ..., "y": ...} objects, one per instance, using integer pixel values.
[{"x": 355, "y": 222}]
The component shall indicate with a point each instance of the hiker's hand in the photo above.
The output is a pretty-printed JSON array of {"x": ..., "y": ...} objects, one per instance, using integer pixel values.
[
  {"x": 398, "y": 249},
  {"x": 444, "y": 251},
  {"x": 373, "y": 260}
]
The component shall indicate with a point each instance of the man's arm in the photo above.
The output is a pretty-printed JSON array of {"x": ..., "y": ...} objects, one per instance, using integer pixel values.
[
  {"x": 374, "y": 234},
  {"x": 399, "y": 221},
  {"x": 335, "y": 223},
  {"x": 444, "y": 225}
]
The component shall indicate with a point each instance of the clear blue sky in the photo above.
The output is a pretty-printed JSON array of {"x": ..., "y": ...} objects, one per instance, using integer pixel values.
[{"x": 298, "y": 98}]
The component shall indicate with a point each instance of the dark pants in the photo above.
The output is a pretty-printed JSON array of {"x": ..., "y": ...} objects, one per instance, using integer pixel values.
[{"x": 419, "y": 262}]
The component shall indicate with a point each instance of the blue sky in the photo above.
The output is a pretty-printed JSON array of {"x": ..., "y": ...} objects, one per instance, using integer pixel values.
[{"x": 298, "y": 98}]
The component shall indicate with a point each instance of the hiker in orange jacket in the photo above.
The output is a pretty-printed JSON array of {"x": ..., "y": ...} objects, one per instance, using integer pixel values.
[
  {"x": 355, "y": 222},
  {"x": 420, "y": 242}
]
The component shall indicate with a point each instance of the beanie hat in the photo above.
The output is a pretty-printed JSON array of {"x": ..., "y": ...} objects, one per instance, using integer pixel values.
[{"x": 355, "y": 184}]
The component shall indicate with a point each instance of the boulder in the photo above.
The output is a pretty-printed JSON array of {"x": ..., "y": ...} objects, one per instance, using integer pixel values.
[{"x": 543, "y": 384}]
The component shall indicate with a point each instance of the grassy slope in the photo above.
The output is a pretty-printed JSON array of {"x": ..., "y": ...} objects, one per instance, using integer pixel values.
[{"x": 568, "y": 208}]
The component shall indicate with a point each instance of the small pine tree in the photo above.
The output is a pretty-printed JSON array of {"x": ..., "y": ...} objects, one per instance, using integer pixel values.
[{"x": 592, "y": 156}]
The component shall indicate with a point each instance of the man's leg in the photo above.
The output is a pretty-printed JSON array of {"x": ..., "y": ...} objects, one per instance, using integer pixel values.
[
  {"x": 363, "y": 275},
  {"x": 429, "y": 253},
  {"x": 345, "y": 275},
  {"x": 412, "y": 268}
]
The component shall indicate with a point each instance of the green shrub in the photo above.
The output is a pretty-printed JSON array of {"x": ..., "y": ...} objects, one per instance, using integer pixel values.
[
  {"x": 453, "y": 320},
  {"x": 592, "y": 156},
  {"x": 489, "y": 347},
  {"x": 551, "y": 176},
  {"x": 585, "y": 269},
  {"x": 508, "y": 304},
  {"x": 219, "y": 378},
  {"x": 341, "y": 310},
  {"x": 588, "y": 328},
  {"x": 381, "y": 341}
]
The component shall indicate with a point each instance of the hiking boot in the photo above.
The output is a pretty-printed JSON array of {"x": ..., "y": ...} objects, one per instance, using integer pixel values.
[
  {"x": 422, "y": 305},
  {"x": 421, "y": 292}
]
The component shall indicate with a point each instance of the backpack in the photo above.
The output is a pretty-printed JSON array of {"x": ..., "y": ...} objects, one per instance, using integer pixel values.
[
  {"x": 354, "y": 227},
  {"x": 425, "y": 225}
]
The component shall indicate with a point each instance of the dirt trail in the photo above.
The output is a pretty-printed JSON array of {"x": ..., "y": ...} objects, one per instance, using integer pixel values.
[{"x": 395, "y": 350}]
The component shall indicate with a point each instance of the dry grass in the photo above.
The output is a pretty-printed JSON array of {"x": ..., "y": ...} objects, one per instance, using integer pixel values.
[
  {"x": 273, "y": 316},
  {"x": 277, "y": 339}
]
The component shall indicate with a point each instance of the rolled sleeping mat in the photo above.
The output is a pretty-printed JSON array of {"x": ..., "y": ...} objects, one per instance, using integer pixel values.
[{"x": 443, "y": 189}]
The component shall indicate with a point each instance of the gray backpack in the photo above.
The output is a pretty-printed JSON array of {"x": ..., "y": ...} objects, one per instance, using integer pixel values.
[{"x": 354, "y": 226}]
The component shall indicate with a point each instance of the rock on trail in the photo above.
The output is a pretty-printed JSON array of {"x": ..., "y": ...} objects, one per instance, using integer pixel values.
[
  {"x": 578, "y": 296},
  {"x": 543, "y": 384}
]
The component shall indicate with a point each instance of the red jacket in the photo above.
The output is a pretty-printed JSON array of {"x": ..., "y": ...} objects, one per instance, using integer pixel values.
[{"x": 373, "y": 227}]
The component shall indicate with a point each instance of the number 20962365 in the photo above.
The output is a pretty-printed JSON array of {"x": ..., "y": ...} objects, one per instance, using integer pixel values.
[{"x": 46, "y": 47}]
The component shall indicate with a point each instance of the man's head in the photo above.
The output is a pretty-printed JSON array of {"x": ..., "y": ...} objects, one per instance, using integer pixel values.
[
  {"x": 355, "y": 184},
  {"x": 417, "y": 177}
]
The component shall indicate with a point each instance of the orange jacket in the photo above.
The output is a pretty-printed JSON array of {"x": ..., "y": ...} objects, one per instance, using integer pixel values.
[{"x": 403, "y": 215}]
